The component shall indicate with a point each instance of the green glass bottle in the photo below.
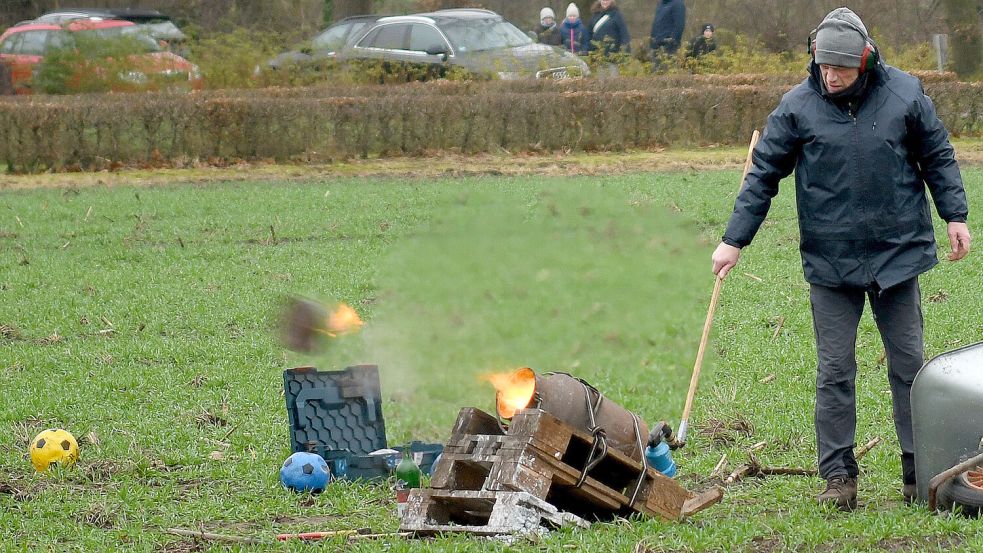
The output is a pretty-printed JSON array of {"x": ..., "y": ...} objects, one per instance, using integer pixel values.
[{"x": 407, "y": 471}]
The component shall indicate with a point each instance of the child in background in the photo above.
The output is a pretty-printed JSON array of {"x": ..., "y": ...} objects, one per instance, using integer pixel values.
[
  {"x": 572, "y": 31},
  {"x": 547, "y": 30}
]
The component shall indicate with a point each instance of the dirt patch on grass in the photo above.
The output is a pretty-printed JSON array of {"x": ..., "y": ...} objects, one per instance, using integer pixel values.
[
  {"x": 16, "y": 490},
  {"x": 721, "y": 432},
  {"x": 98, "y": 515},
  {"x": 10, "y": 333},
  {"x": 911, "y": 544},
  {"x": 969, "y": 153},
  {"x": 312, "y": 521},
  {"x": 447, "y": 165}
]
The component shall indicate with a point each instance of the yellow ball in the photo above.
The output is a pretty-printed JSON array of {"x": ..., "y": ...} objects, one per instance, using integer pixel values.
[{"x": 53, "y": 446}]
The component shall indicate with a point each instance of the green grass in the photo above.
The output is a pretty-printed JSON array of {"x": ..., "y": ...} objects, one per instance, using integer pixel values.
[{"x": 607, "y": 278}]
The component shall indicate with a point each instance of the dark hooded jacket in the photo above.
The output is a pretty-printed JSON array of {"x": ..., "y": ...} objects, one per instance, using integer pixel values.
[
  {"x": 700, "y": 46},
  {"x": 667, "y": 26},
  {"x": 861, "y": 170},
  {"x": 607, "y": 30},
  {"x": 548, "y": 35},
  {"x": 574, "y": 37}
]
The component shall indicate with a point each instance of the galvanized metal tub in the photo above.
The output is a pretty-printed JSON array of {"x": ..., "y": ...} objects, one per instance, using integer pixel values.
[{"x": 947, "y": 411}]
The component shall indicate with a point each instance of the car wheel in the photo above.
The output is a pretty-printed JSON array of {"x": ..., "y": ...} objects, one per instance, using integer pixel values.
[{"x": 964, "y": 492}]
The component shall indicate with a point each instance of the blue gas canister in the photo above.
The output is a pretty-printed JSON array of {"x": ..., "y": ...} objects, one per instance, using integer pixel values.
[{"x": 660, "y": 458}]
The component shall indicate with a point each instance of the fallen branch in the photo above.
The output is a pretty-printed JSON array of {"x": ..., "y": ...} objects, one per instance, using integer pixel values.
[
  {"x": 739, "y": 473},
  {"x": 212, "y": 537},
  {"x": 867, "y": 447},
  {"x": 778, "y": 327},
  {"x": 754, "y": 468},
  {"x": 720, "y": 466}
]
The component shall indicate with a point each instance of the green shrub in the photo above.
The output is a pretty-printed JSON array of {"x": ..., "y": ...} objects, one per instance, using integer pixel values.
[
  {"x": 92, "y": 63},
  {"x": 336, "y": 122},
  {"x": 230, "y": 60}
]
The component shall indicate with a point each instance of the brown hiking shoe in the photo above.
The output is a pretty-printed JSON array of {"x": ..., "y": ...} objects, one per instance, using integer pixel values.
[
  {"x": 909, "y": 493},
  {"x": 841, "y": 492}
]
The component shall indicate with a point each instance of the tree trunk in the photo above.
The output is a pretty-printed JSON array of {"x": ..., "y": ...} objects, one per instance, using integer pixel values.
[{"x": 965, "y": 36}]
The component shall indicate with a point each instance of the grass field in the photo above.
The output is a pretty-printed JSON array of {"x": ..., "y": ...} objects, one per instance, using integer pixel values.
[{"x": 142, "y": 319}]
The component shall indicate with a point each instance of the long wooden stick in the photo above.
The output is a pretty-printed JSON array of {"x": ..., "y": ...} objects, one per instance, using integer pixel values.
[
  {"x": 684, "y": 421},
  {"x": 311, "y": 536},
  {"x": 867, "y": 447},
  {"x": 212, "y": 537}
]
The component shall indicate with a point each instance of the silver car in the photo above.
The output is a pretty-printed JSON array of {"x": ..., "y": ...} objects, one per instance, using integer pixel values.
[{"x": 478, "y": 42}]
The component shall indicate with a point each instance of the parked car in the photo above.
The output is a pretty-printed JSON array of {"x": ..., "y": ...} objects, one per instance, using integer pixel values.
[
  {"x": 324, "y": 46},
  {"x": 24, "y": 48},
  {"x": 476, "y": 41},
  {"x": 158, "y": 25}
]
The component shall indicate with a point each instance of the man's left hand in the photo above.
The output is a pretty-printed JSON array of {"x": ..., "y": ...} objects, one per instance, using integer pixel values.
[{"x": 958, "y": 240}]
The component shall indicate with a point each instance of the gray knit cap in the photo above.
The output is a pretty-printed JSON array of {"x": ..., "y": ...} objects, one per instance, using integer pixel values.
[{"x": 840, "y": 39}]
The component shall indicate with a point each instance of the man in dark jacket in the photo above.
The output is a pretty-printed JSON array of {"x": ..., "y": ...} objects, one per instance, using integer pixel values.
[
  {"x": 864, "y": 141},
  {"x": 703, "y": 44},
  {"x": 607, "y": 30},
  {"x": 667, "y": 27}
]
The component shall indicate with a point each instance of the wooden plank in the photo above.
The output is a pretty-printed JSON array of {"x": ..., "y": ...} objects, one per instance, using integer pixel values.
[
  {"x": 701, "y": 501},
  {"x": 456, "y": 471},
  {"x": 471, "y": 420},
  {"x": 662, "y": 495},
  {"x": 481, "y": 443},
  {"x": 430, "y": 512},
  {"x": 533, "y": 472},
  {"x": 551, "y": 431},
  {"x": 556, "y": 438}
]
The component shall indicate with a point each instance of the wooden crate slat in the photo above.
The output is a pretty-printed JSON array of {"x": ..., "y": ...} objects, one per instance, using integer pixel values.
[{"x": 431, "y": 512}]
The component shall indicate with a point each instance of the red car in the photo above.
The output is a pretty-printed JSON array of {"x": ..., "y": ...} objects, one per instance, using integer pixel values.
[{"x": 24, "y": 47}]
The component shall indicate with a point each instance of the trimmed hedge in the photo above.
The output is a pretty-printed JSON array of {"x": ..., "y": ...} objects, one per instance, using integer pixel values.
[{"x": 94, "y": 131}]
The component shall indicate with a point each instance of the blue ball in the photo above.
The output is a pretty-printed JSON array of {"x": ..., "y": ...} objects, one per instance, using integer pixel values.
[{"x": 305, "y": 472}]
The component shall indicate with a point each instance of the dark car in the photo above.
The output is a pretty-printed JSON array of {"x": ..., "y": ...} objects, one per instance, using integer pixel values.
[
  {"x": 478, "y": 42},
  {"x": 324, "y": 46}
]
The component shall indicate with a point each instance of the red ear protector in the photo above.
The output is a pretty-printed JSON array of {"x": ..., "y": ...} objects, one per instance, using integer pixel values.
[{"x": 868, "y": 58}]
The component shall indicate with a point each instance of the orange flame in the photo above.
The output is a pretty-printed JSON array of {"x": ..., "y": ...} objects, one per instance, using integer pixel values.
[
  {"x": 344, "y": 320},
  {"x": 514, "y": 390}
]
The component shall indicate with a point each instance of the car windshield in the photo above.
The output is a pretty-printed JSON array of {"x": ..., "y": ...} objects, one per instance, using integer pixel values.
[
  {"x": 334, "y": 37},
  {"x": 164, "y": 30},
  {"x": 475, "y": 35}
]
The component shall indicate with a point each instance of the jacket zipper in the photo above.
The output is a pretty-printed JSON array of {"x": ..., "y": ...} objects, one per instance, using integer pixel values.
[{"x": 862, "y": 202}]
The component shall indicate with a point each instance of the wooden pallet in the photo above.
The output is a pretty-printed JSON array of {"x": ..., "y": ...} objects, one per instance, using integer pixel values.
[
  {"x": 484, "y": 513},
  {"x": 543, "y": 456}
]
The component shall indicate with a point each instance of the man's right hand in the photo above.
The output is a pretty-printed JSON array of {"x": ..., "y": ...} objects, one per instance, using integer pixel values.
[{"x": 724, "y": 258}]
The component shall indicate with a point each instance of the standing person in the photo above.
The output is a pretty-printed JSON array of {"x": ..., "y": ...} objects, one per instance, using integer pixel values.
[
  {"x": 547, "y": 30},
  {"x": 573, "y": 34},
  {"x": 607, "y": 31},
  {"x": 864, "y": 141},
  {"x": 667, "y": 27},
  {"x": 702, "y": 44}
]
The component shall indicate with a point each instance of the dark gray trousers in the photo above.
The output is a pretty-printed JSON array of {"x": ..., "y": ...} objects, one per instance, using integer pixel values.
[{"x": 836, "y": 315}]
